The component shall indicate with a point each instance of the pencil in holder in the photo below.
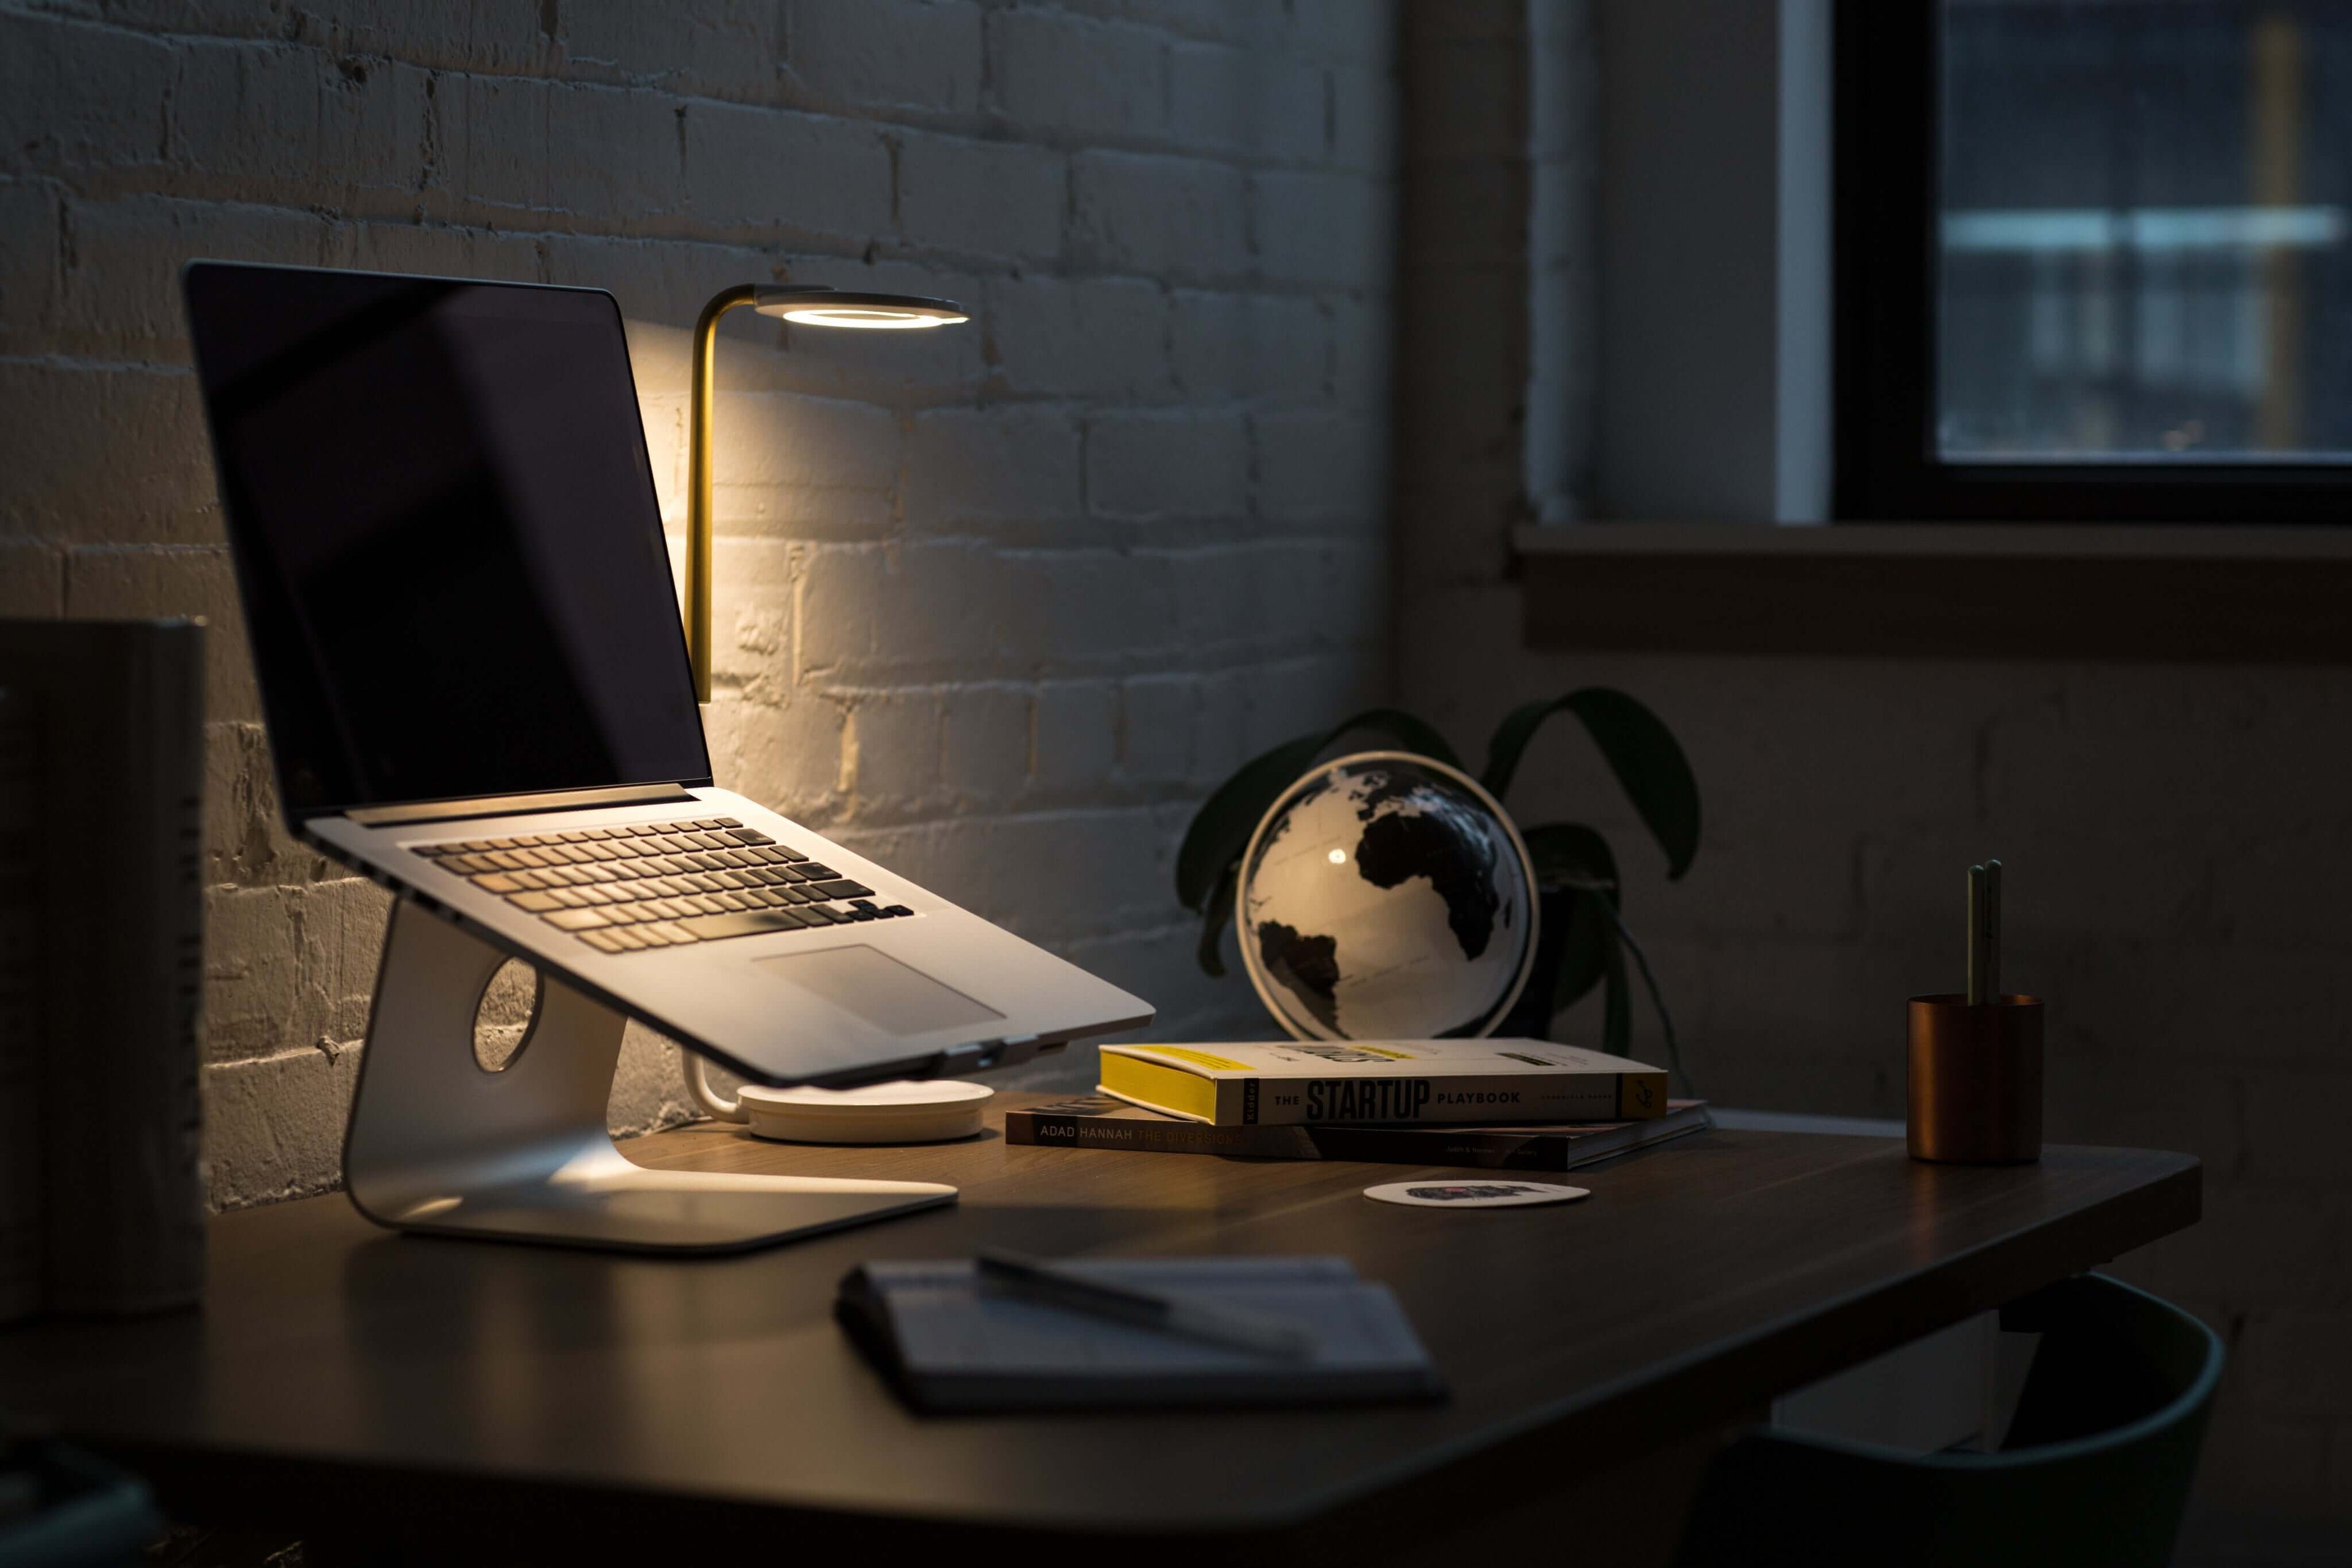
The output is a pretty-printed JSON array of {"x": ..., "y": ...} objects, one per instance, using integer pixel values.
[{"x": 1975, "y": 1055}]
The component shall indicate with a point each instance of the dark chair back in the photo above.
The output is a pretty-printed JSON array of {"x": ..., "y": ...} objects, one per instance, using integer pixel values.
[{"x": 2094, "y": 1472}]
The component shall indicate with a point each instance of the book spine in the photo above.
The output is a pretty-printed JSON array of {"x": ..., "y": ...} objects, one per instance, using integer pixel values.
[
  {"x": 1369, "y": 1145},
  {"x": 21, "y": 967},
  {"x": 1474, "y": 1148},
  {"x": 1491, "y": 1150},
  {"x": 1494, "y": 1097},
  {"x": 1173, "y": 1137},
  {"x": 121, "y": 716}
]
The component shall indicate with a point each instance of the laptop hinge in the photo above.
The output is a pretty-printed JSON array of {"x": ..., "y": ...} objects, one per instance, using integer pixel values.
[{"x": 514, "y": 805}]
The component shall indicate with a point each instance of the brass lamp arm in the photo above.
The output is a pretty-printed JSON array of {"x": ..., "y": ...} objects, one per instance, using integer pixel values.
[{"x": 698, "y": 483}]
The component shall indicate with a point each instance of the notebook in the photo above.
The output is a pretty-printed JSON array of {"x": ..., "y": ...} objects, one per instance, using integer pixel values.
[{"x": 948, "y": 1344}]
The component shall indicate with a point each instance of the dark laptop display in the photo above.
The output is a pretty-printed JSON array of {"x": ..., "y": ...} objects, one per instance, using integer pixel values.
[{"x": 446, "y": 534}]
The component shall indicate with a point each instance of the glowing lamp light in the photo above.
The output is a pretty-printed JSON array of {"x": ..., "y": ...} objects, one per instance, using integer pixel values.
[
  {"x": 807, "y": 305},
  {"x": 836, "y": 308}
]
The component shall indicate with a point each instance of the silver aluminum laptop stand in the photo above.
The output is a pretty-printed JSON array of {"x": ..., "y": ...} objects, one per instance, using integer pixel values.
[{"x": 439, "y": 1144}]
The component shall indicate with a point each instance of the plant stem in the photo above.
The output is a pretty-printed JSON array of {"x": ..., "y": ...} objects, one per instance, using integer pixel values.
[{"x": 1658, "y": 1000}]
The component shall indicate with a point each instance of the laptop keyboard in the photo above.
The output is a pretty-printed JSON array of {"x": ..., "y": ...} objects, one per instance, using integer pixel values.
[{"x": 661, "y": 884}]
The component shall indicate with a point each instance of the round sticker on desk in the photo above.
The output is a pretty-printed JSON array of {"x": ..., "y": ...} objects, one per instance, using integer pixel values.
[{"x": 1474, "y": 1194}]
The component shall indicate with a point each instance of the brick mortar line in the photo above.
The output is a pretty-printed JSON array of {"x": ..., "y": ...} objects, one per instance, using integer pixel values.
[
  {"x": 287, "y": 1054},
  {"x": 1241, "y": 286},
  {"x": 1149, "y": 662},
  {"x": 1175, "y": 409},
  {"x": 1254, "y": 545},
  {"x": 129, "y": 546},
  {"x": 1112, "y": 534},
  {"x": 1188, "y": 928},
  {"x": 90, "y": 364},
  {"x": 1251, "y": 537},
  {"x": 1172, "y": 32},
  {"x": 1009, "y": 685}
]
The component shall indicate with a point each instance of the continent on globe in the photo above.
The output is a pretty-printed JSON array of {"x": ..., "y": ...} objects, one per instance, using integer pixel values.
[
  {"x": 1307, "y": 967},
  {"x": 1396, "y": 846}
]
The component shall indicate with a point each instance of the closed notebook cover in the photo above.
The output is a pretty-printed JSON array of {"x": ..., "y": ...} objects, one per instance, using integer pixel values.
[{"x": 949, "y": 1343}]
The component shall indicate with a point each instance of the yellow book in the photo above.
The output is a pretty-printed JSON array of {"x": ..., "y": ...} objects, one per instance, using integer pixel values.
[{"x": 1271, "y": 1083}]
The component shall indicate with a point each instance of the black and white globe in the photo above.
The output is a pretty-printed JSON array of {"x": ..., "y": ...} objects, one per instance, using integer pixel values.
[{"x": 1386, "y": 896}]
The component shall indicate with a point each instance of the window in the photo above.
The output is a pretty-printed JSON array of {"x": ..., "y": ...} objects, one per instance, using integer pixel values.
[{"x": 2093, "y": 259}]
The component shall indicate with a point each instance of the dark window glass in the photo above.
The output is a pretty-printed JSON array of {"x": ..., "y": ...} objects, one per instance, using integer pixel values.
[
  {"x": 2143, "y": 251},
  {"x": 445, "y": 535}
]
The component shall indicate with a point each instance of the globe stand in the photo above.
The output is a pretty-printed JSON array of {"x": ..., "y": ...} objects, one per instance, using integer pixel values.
[{"x": 441, "y": 1145}]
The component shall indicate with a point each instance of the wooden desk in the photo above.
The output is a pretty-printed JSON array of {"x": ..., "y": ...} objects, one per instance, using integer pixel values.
[{"x": 357, "y": 1385}]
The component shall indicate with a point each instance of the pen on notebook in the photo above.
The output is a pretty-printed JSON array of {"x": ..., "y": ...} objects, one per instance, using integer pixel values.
[{"x": 1210, "y": 1321}]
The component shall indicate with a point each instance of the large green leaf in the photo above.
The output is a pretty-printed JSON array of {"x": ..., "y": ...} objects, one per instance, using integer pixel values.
[
  {"x": 1213, "y": 923},
  {"x": 1221, "y": 829},
  {"x": 1569, "y": 853},
  {"x": 1639, "y": 749}
]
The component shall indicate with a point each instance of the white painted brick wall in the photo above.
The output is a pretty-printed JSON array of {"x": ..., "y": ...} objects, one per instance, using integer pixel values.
[
  {"x": 1181, "y": 219},
  {"x": 990, "y": 603}
]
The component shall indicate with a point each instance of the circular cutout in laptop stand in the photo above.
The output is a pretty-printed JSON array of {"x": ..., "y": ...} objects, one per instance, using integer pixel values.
[
  {"x": 503, "y": 1017},
  {"x": 933, "y": 1110}
]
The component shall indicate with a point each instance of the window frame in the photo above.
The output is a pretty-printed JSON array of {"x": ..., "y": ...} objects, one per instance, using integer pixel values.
[{"x": 1885, "y": 109}]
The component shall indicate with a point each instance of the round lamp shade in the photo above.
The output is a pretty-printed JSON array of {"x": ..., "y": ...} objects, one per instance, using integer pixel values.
[{"x": 813, "y": 306}]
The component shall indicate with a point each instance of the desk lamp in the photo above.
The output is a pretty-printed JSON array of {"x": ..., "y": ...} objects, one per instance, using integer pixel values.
[{"x": 808, "y": 305}]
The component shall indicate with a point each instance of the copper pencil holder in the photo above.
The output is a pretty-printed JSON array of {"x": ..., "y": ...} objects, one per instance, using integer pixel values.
[{"x": 1976, "y": 1080}]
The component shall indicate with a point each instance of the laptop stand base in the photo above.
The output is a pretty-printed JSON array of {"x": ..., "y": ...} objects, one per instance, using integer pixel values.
[{"x": 440, "y": 1144}]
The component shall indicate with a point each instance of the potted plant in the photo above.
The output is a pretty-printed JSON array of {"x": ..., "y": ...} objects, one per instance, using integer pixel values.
[{"x": 1583, "y": 940}]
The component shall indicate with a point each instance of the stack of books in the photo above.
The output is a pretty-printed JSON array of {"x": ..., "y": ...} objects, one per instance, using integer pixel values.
[{"x": 1513, "y": 1105}]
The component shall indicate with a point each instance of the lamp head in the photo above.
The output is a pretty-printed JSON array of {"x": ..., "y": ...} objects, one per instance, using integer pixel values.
[{"x": 814, "y": 305}]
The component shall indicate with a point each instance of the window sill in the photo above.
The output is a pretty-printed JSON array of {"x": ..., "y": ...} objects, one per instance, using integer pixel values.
[{"x": 1953, "y": 591}]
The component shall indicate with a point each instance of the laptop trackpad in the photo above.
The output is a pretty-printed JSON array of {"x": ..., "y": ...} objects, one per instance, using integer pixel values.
[{"x": 880, "y": 989}]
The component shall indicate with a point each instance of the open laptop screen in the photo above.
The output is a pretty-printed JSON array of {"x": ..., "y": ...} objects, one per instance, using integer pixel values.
[{"x": 445, "y": 535}]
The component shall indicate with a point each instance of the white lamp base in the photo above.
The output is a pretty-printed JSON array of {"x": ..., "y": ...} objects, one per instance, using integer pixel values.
[{"x": 933, "y": 1110}]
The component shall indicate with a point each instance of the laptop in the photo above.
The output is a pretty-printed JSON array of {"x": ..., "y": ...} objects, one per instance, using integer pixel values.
[{"x": 472, "y": 665}]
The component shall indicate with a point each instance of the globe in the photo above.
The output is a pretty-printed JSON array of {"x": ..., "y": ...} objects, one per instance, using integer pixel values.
[{"x": 1386, "y": 896}]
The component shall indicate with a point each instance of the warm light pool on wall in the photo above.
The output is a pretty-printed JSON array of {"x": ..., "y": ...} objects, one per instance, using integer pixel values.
[{"x": 803, "y": 305}]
